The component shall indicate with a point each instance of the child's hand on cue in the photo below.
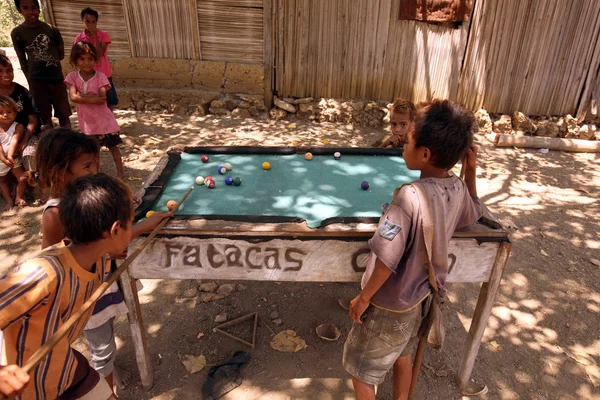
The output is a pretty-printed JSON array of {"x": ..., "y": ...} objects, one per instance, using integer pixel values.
[
  {"x": 12, "y": 381},
  {"x": 155, "y": 219}
]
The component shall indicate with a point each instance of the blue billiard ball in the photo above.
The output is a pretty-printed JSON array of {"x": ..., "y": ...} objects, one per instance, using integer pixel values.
[
  {"x": 222, "y": 170},
  {"x": 364, "y": 185},
  {"x": 228, "y": 180}
]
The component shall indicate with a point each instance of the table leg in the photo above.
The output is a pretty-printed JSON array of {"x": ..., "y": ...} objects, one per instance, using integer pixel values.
[
  {"x": 138, "y": 334},
  {"x": 487, "y": 295}
]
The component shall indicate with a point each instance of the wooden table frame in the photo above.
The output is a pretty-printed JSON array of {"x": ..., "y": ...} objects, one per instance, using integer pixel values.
[{"x": 478, "y": 253}]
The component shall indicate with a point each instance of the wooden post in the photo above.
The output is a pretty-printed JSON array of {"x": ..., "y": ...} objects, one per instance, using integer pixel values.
[
  {"x": 268, "y": 51},
  {"x": 138, "y": 333},
  {"x": 487, "y": 295},
  {"x": 47, "y": 12}
]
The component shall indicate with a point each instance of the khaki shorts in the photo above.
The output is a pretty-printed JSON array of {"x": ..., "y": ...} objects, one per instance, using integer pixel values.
[{"x": 373, "y": 347}]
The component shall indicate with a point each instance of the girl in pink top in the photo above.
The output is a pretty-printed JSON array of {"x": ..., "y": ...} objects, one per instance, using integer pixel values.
[{"x": 87, "y": 89}]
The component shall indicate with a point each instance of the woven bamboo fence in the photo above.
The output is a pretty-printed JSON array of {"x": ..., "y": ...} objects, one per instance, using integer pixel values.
[
  {"x": 66, "y": 16},
  {"x": 231, "y": 30},
  {"x": 359, "y": 49},
  {"x": 536, "y": 56}
]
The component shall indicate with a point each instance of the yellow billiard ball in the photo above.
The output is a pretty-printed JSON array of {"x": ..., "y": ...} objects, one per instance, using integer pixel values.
[
  {"x": 266, "y": 165},
  {"x": 150, "y": 213}
]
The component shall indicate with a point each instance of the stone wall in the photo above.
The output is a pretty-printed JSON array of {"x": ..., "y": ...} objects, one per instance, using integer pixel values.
[{"x": 520, "y": 124}]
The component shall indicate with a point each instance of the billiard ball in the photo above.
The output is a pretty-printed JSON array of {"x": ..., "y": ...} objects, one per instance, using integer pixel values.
[
  {"x": 204, "y": 158},
  {"x": 221, "y": 170},
  {"x": 228, "y": 166},
  {"x": 209, "y": 177},
  {"x": 150, "y": 213},
  {"x": 364, "y": 185},
  {"x": 308, "y": 156},
  {"x": 228, "y": 180},
  {"x": 237, "y": 181},
  {"x": 266, "y": 165},
  {"x": 171, "y": 204},
  {"x": 199, "y": 181},
  {"x": 337, "y": 155},
  {"x": 210, "y": 183}
]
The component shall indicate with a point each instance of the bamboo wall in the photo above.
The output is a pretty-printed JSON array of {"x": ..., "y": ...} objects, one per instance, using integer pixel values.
[
  {"x": 535, "y": 56},
  {"x": 65, "y": 14},
  {"x": 359, "y": 48}
]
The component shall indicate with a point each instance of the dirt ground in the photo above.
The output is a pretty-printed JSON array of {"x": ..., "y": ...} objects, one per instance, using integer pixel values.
[
  {"x": 542, "y": 341},
  {"x": 542, "y": 336}
]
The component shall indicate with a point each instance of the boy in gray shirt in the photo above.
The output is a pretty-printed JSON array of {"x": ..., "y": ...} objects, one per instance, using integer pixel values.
[{"x": 396, "y": 284}]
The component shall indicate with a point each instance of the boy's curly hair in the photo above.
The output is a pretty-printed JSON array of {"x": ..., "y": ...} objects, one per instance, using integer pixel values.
[
  {"x": 446, "y": 129},
  {"x": 402, "y": 106},
  {"x": 55, "y": 152},
  {"x": 6, "y": 101},
  {"x": 80, "y": 48}
]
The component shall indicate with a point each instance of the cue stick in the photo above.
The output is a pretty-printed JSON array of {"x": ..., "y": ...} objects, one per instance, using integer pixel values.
[{"x": 43, "y": 351}]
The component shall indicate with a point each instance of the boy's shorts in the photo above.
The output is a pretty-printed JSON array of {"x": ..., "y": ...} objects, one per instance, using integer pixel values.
[
  {"x": 87, "y": 383},
  {"x": 110, "y": 140},
  {"x": 111, "y": 94},
  {"x": 5, "y": 169},
  {"x": 372, "y": 348},
  {"x": 47, "y": 95}
]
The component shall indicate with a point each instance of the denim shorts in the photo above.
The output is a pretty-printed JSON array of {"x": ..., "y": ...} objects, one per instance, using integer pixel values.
[
  {"x": 111, "y": 94},
  {"x": 373, "y": 347}
]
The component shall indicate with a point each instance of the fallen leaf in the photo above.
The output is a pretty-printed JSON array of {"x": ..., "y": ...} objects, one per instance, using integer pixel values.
[
  {"x": 494, "y": 344},
  {"x": 292, "y": 126},
  {"x": 288, "y": 342},
  {"x": 544, "y": 253},
  {"x": 295, "y": 143},
  {"x": 200, "y": 335},
  {"x": 194, "y": 364},
  {"x": 583, "y": 191},
  {"x": 324, "y": 141},
  {"x": 134, "y": 178},
  {"x": 595, "y": 262}
]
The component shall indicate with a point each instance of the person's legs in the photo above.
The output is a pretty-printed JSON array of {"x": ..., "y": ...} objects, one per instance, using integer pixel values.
[
  {"x": 116, "y": 153},
  {"x": 402, "y": 377},
  {"x": 5, "y": 189},
  {"x": 103, "y": 349},
  {"x": 363, "y": 390},
  {"x": 19, "y": 173},
  {"x": 60, "y": 102},
  {"x": 41, "y": 96},
  {"x": 112, "y": 100}
]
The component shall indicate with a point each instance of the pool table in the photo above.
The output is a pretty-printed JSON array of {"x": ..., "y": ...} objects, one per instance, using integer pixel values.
[{"x": 300, "y": 220}]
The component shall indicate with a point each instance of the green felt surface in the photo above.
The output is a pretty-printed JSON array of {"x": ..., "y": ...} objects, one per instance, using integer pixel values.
[{"x": 294, "y": 187}]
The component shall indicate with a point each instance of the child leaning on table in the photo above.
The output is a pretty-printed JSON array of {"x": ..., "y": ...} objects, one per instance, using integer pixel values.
[
  {"x": 395, "y": 287},
  {"x": 62, "y": 156},
  {"x": 402, "y": 118},
  {"x": 96, "y": 212}
]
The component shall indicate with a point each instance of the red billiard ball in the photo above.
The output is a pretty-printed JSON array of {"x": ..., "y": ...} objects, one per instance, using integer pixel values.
[
  {"x": 210, "y": 183},
  {"x": 204, "y": 158}
]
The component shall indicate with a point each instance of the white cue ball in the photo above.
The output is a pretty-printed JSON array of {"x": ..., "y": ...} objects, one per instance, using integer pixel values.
[
  {"x": 228, "y": 166},
  {"x": 199, "y": 180}
]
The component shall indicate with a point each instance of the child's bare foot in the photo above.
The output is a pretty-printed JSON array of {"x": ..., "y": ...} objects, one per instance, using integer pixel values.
[
  {"x": 121, "y": 377},
  {"x": 8, "y": 207},
  {"x": 20, "y": 202}
]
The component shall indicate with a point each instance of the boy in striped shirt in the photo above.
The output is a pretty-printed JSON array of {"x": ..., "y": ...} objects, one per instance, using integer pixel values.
[{"x": 42, "y": 294}]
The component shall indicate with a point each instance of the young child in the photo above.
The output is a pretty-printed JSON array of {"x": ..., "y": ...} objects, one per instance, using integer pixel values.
[
  {"x": 64, "y": 155},
  {"x": 401, "y": 121},
  {"x": 10, "y": 136},
  {"x": 396, "y": 284},
  {"x": 100, "y": 40},
  {"x": 27, "y": 114},
  {"x": 88, "y": 88},
  {"x": 40, "y": 48},
  {"x": 41, "y": 294}
]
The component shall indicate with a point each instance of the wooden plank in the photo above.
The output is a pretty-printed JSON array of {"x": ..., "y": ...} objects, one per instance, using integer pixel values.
[
  {"x": 268, "y": 51},
  {"x": 48, "y": 12},
  {"x": 138, "y": 332},
  {"x": 184, "y": 257},
  {"x": 487, "y": 296}
]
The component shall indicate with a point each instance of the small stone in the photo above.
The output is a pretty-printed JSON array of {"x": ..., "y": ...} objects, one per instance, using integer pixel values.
[
  {"x": 206, "y": 297},
  {"x": 521, "y": 123},
  {"x": 199, "y": 335},
  {"x": 289, "y": 100},
  {"x": 241, "y": 288},
  {"x": 190, "y": 292},
  {"x": 595, "y": 262},
  {"x": 244, "y": 104},
  {"x": 274, "y": 315},
  {"x": 209, "y": 287},
  {"x": 587, "y": 132},
  {"x": 277, "y": 114},
  {"x": 484, "y": 122},
  {"x": 240, "y": 113},
  {"x": 225, "y": 290},
  {"x": 278, "y": 321},
  {"x": 356, "y": 105},
  {"x": 503, "y": 125},
  {"x": 547, "y": 128},
  {"x": 284, "y": 105},
  {"x": 442, "y": 373},
  {"x": 221, "y": 318},
  {"x": 303, "y": 100}
]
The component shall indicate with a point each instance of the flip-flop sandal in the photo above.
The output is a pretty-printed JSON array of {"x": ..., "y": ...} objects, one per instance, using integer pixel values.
[{"x": 224, "y": 377}]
